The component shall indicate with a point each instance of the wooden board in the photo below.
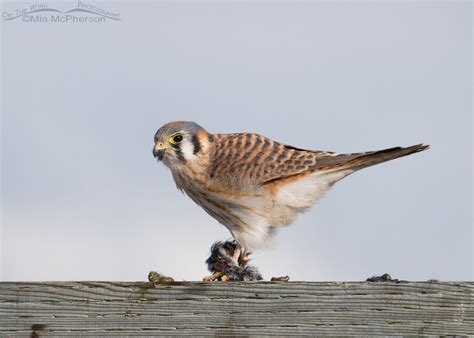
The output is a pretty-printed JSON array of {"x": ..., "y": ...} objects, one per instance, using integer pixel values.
[{"x": 236, "y": 308}]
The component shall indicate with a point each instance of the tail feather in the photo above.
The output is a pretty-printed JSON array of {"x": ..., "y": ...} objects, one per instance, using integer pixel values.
[{"x": 362, "y": 160}]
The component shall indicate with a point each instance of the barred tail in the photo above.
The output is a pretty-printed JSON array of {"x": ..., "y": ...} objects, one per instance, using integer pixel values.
[{"x": 363, "y": 160}]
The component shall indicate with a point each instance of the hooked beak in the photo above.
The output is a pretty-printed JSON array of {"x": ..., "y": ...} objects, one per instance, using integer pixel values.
[{"x": 159, "y": 151}]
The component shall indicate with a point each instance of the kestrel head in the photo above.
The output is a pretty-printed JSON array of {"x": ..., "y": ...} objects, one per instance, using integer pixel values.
[{"x": 179, "y": 142}]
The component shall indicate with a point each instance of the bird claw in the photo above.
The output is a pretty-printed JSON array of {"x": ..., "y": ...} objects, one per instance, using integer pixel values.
[
  {"x": 220, "y": 276},
  {"x": 244, "y": 258}
]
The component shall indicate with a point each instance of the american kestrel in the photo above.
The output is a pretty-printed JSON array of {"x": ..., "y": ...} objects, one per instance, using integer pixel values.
[{"x": 251, "y": 184}]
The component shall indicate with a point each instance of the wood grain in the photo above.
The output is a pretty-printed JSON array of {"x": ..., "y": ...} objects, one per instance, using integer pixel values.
[{"x": 235, "y": 308}]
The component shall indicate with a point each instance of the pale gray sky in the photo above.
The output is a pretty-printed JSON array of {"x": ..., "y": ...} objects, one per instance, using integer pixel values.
[{"x": 84, "y": 199}]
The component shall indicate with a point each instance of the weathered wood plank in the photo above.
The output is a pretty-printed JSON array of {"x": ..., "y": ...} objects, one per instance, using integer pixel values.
[{"x": 236, "y": 308}]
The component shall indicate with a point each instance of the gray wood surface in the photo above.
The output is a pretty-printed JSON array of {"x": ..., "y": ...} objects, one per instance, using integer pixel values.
[{"x": 235, "y": 308}]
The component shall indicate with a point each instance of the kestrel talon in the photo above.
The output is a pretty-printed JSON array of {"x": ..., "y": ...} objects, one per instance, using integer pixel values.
[{"x": 251, "y": 184}]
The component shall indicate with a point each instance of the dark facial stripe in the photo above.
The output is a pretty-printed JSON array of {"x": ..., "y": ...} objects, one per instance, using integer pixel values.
[
  {"x": 179, "y": 154},
  {"x": 196, "y": 144}
]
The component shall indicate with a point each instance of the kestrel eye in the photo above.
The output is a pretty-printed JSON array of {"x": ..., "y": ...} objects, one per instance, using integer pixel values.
[{"x": 176, "y": 138}]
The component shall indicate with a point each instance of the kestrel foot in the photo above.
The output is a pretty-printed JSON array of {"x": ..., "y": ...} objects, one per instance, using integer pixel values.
[
  {"x": 244, "y": 258},
  {"x": 218, "y": 275},
  {"x": 158, "y": 278},
  {"x": 230, "y": 259},
  {"x": 280, "y": 279}
]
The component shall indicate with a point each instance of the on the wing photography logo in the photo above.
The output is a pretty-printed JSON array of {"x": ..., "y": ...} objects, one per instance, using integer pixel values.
[{"x": 82, "y": 12}]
